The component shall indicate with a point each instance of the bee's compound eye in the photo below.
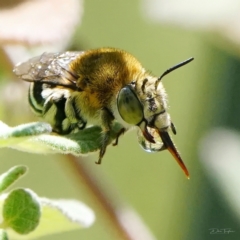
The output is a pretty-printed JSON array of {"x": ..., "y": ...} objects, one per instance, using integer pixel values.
[{"x": 129, "y": 106}]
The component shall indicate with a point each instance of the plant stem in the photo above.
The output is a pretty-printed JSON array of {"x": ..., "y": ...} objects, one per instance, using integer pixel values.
[{"x": 129, "y": 228}]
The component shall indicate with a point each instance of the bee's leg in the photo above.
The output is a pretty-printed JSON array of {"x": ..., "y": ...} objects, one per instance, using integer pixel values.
[
  {"x": 70, "y": 111},
  {"x": 107, "y": 118},
  {"x": 121, "y": 132},
  {"x": 52, "y": 114},
  {"x": 105, "y": 141},
  {"x": 73, "y": 115},
  {"x": 47, "y": 105}
]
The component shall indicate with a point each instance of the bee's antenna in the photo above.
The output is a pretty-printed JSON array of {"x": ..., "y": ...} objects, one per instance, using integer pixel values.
[{"x": 172, "y": 69}]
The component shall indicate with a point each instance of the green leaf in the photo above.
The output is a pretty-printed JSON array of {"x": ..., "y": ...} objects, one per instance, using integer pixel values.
[
  {"x": 85, "y": 141},
  {"x": 3, "y": 234},
  {"x": 21, "y": 211},
  {"x": 61, "y": 216},
  {"x": 12, "y": 175},
  {"x": 56, "y": 216},
  {"x": 71, "y": 210},
  {"x": 13, "y": 135}
]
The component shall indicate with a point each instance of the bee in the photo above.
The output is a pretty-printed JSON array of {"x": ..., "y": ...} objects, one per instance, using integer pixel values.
[{"x": 71, "y": 90}]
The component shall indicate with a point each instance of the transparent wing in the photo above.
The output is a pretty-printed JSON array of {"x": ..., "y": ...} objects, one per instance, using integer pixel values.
[{"x": 51, "y": 68}]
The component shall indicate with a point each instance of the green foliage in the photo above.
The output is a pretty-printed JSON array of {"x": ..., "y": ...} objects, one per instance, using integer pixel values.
[
  {"x": 12, "y": 175},
  {"x": 32, "y": 138},
  {"x": 21, "y": 211},
  {"x": 24, "y": 213}
]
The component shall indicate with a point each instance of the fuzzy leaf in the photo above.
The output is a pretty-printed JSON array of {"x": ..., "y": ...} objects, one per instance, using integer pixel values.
[
  {"x": 13, "y": 135},
  {"x": 12, "y": 175},
  {"x": 56, "y": 216},
  {"x": 64, "y": 215},
  {"x": 85, "y": 141},
  {"x": 21, "y": 211}
]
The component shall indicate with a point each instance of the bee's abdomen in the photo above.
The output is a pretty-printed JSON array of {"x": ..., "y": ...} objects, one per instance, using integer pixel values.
[{"x": 53, "y": 104}]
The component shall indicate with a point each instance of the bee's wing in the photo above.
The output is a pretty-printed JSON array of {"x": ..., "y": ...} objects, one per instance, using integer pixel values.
[{"x": 52, "y": 68}]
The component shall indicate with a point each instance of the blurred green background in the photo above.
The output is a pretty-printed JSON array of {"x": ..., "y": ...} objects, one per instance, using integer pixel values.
[{"x": 202, "y": 95}]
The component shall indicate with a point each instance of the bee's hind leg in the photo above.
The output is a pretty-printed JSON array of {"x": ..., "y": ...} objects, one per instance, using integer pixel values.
[
  {"x": 107, "y": 119},
  {"x": 105, "y": 141},
  {"x": 73, "y": 115}
]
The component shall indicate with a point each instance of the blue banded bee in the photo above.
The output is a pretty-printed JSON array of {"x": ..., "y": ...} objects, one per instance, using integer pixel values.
[{"x": 71, "y": 90}]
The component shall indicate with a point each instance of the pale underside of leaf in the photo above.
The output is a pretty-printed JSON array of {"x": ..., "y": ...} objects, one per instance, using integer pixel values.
[{"x": 58, "y": 216}]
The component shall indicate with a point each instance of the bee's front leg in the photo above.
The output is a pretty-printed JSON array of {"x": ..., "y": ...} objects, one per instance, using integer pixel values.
[
  {"x": 107, "y": 119},
  {"x": 121, "y": 132}
]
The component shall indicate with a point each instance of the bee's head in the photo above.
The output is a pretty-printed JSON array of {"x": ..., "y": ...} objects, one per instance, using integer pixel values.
[{"x": 143, "y": 103}]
